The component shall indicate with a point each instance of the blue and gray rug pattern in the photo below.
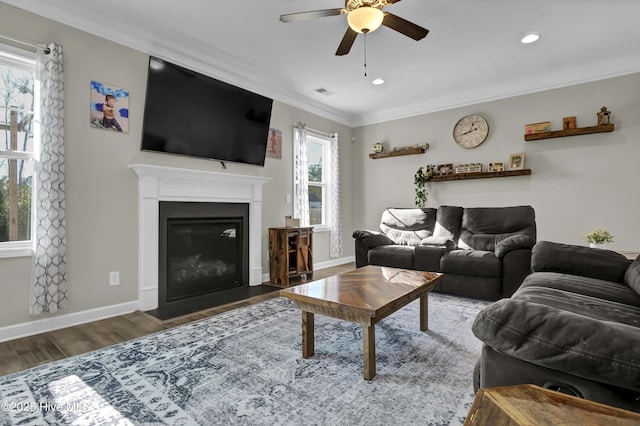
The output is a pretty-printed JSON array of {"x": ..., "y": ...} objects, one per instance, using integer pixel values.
[{"x": 245, "y": 367}]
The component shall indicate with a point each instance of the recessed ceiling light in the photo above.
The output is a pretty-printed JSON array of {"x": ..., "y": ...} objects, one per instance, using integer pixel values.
[
  {"x": 378, "y": 81},
  {"x": 530, "y": 38}
]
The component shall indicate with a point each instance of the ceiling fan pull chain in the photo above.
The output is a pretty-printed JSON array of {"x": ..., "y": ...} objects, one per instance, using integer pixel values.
[{"x": 365, "y": 53}]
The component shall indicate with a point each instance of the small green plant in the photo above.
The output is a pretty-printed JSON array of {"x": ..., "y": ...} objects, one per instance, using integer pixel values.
[
  {"x": 599, "y": 236},
  {"x": 422, "y": 176}
]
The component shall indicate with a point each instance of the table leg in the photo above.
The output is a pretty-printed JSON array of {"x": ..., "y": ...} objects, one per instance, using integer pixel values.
[
  {"x": 369, "y": 351},
  {"x": 307, "y": 335},
  {"x": 424, "y": 312}
]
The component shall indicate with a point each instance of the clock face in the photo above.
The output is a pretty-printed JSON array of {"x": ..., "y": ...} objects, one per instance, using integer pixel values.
[{"x": 470, "y": 131}]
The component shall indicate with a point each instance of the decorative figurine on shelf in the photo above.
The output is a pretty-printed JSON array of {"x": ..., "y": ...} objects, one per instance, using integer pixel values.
[
  {"x": 604, "y": 116},
  {"x": 377, "y": 148}
]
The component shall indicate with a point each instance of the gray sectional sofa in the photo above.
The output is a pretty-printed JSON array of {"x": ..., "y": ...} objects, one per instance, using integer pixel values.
[
  {"x": 573, "y": 326},
  {"x": 484, "y": 252}
]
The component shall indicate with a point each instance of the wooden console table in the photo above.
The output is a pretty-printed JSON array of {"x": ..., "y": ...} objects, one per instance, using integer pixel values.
[
  {"x": 290, "y": 253},
  {"x": 533, "y": 405}
]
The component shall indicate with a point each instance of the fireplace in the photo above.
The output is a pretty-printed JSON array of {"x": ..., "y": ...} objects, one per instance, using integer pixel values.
[
  {"x": 159, "y": 184},
  {"x": 203, "y": 249}
]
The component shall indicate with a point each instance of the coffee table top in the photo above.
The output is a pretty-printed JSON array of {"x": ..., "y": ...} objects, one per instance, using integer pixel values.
[{"x": 367, "y": 290}]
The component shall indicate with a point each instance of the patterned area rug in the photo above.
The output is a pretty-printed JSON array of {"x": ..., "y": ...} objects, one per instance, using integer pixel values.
[{"x": 245, "y": 367}]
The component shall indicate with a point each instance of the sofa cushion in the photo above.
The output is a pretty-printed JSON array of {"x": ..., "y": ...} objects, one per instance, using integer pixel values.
[
  {"x": 394, "y": 256},
  {"x": 579, "y": 260},
  {"x": 484, "y": 227},
  {"x": 471, "y": 262},
  {"x": 632, "y": 275},
  {"x": 592, "y": 307},
  {"x": 408, "y": 226},
  {"x": 601, "y": 289},
  {"x": 427, "y": 258},
  {"x": 603, "y": 351}
]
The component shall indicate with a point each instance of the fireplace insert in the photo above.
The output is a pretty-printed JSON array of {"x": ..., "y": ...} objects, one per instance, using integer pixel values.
[{"x": 203, "y": 249}]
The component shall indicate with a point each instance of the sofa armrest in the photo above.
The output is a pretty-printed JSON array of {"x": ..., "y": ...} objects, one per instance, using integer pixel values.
[
  {"x": 365, "y": 241},
  {"x": 372, "y": 238},
  {"x": 603, "y": 351},
  {"x": 579, "y": 260},
  {"x": 514, "y": 242}
]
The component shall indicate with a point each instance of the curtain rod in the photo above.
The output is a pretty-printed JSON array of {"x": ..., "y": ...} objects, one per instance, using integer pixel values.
[{"x": 317, "y": 132}]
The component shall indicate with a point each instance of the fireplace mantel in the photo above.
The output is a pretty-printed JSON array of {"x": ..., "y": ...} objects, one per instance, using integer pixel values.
[{"x": 161, "y": 183}]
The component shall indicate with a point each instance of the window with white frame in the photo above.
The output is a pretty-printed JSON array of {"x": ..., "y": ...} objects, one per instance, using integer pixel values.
[
  {"x": 318, "y": 172},
  {"x": 17, "y": 155}
]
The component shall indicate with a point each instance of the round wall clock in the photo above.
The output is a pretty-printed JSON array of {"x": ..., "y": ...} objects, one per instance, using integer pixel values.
[{"x": 470, "y": 131}]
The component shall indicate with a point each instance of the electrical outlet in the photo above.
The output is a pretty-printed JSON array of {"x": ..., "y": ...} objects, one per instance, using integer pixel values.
[
  {"x": 288, "y": 198},
  {"x": 114, "y": 278}
]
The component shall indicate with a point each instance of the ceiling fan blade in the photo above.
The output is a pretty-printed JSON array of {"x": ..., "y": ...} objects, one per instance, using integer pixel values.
[
  {"x": 405, "y": 27},
  {"x": 302, "y": 16},
  {"x": 347, "y": 42},
  {"x": 392, "y": 1}
]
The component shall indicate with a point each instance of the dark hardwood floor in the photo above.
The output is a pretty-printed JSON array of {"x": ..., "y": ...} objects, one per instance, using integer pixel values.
[{"x": 28, "y": 352}]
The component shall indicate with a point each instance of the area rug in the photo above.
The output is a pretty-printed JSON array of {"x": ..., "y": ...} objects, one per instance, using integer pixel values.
[{"x": 245, "y": 367}]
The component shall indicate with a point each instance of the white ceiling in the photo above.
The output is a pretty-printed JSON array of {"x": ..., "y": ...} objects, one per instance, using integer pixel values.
[{"x": 472, "y": 53}]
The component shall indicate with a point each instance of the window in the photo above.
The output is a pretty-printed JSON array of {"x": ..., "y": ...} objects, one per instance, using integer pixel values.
[
  {"x": 317, "y": 156},
  {"x": 17, "y": 97}
]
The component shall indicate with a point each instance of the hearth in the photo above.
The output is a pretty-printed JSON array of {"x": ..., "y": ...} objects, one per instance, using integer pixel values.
[{"x": 203, "y": 249}]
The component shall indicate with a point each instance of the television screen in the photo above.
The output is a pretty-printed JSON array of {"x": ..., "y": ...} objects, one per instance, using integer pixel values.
[{"x": 191, "y": 114}]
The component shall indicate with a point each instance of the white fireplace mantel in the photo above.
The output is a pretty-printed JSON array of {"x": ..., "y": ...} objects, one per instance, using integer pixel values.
[{"x": 160, "y": 183}]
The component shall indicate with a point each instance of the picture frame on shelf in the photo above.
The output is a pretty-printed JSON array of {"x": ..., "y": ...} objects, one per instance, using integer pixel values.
[
  {"x": 496, "y": 166},
  {"x": 516, "y": 161},
  {"x": 445, "y": 169}
]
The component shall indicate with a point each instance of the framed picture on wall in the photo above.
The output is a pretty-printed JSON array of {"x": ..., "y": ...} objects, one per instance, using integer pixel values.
[
  {"x": 496, "y": 166},
  {"x": 109, "y": 107},
  {"x": 516, "y": 161},
  {"x": 274, "y": 143},
  {"x": 445, "y": 169}
]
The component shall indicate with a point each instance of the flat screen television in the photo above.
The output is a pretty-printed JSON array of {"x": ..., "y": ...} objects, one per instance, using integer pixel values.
[{"x": 191, "y": 114}]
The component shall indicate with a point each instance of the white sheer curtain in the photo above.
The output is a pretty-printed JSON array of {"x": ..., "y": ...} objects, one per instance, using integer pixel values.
[
  {"x": 301, "y": 174},
  {"x": 49, "y": 282},
  {"x": 335, "y": 198}
]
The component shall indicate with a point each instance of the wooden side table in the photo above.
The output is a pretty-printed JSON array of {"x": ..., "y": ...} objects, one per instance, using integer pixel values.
[
  {"x": 533, "y": 405},
  {"x": 290, "y": 253}
]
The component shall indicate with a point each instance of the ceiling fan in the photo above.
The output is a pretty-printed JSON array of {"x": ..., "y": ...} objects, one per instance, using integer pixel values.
[{"x": 363, "y": 16}]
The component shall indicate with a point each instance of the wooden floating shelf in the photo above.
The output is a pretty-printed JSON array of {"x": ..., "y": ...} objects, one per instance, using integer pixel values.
[
  {"x": 481, "y": 175},
  {"x": 410, "y": 151},
  {"x": 601, "y": 128}
]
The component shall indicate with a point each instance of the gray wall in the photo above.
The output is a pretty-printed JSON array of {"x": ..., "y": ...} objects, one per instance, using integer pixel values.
[
  {"x": 578, "y": 183},
  {"x": 102, "y": 200}
]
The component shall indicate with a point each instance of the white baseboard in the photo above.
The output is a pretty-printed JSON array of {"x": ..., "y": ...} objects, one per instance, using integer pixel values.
[
  {"x": 17, "y": 331},
  {"x": 322, "y": 265},
  {"x": 31, "y": 328}
]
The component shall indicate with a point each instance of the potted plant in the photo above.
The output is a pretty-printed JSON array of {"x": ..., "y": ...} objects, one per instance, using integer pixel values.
[
  {"x": 422, "y": 176},
  {"x": 598, "y": 237}
]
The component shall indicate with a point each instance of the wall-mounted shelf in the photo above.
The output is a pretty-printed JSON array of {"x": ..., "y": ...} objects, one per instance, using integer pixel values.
[
  {"x": 481, "y": 175},
  {"x": 410, "y": 151},
  {"x": 601, "y": 128}
]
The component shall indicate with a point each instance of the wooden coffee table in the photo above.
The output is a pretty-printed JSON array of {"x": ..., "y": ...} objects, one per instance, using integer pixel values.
[{"x": 364, "y": 296}]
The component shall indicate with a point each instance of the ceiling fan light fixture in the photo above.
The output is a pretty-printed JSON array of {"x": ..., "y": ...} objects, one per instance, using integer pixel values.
[
  {"x": 530, "y": 38},
  {"x": 365, "y": 19}
]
